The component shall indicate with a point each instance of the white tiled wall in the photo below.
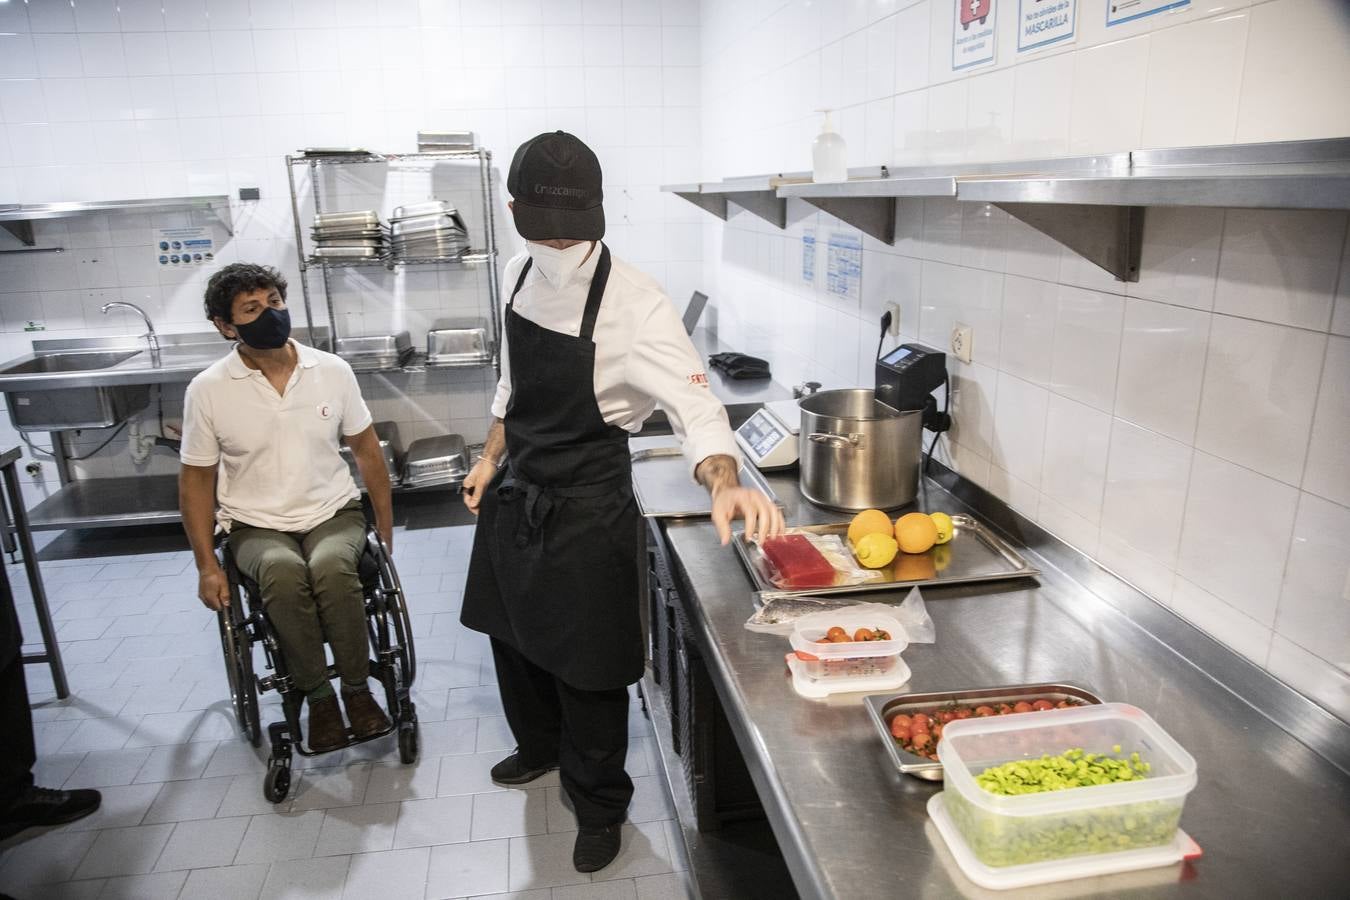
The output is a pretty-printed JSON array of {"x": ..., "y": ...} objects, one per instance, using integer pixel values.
[
  {"x": 1191, "y": 430},
  {"x": 115, "y": 99}
]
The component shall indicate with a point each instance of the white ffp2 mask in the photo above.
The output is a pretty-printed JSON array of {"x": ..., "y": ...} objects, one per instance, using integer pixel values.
[{"x": 558, "y": 266}]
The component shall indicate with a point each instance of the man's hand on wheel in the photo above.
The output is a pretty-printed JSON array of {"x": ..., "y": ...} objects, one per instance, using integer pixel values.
[
  {"x": 479, "y": 477},
  {"x": 213, "y": 589},
  {"x": 762, "y": 517}
]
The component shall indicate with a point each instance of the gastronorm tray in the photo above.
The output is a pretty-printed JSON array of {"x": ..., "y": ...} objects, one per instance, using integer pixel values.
[
  {"x": 443, "y": 459},
  {"x": 458, "y": 342},
  {"x": 348, "y": 252},
  {"x": 973, "y": 554},
  {"x": 665, "y": 491},
  {"x": 881, "y": 708}
]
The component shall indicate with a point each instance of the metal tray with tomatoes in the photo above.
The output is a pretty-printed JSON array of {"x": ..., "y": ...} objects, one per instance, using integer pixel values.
[{"x": 921, "y": 717}]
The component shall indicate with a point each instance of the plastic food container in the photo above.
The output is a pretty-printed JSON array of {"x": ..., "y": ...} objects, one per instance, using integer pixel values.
[
  {"x": 851, "y": 660},
  {"x": 1109, "y": 818}
]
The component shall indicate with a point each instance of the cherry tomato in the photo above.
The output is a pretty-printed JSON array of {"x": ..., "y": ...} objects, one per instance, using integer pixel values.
[
  {"x": 1042, "y": 705},
  {"x": 921, "y": 719},
  {"x": 1022, "y": 706},
  {"x": 901, "y": 732},
  {"x": 919, "y": 728},
  {"x": 1063, "y": 704},
  {"x": 964, "y": 712},
  {"x": 835, "y": 633},
  {"x": 922, "y": 740},
  {"x": 985, "y": 711},
  {"x": 945, "y": 715},
  {"x": 1004, "y": 709},
  {"x": 937, "y": 731},
  {"x": 863, "y": 634}
]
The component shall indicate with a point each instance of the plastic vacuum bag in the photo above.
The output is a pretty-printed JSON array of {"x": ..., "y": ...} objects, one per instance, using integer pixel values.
[{"x": 779, "y": 615}]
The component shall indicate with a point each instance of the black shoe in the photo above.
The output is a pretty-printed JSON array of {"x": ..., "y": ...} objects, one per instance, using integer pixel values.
[
  {"x": 37, "y": 807},
  {"x": 513, "y": 770},
  {"x": 595, "y": 848}
]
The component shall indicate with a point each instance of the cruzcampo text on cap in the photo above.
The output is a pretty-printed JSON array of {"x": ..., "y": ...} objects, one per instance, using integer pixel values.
[{"x": 554, "y": 183}]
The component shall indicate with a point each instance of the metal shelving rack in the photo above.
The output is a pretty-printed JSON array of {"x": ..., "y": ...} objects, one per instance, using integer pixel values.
[{"x": 484, "y": 255}]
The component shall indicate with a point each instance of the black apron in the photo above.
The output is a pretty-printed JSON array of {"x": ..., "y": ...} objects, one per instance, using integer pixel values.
[{"x": 554, "y": 569}]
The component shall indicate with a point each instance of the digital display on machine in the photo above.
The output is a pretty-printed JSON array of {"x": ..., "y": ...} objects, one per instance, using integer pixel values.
[
  {"x": 896, "y": 355},
  {"x": 761, "y": 434}
]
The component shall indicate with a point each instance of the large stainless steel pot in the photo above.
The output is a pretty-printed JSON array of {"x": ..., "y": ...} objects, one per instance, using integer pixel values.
[{"x": 858, "y": 453}]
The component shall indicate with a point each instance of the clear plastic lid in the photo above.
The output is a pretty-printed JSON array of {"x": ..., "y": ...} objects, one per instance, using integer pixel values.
[
  {"x": 808, "y": 631},
  {"x": 969, "y": 746}
]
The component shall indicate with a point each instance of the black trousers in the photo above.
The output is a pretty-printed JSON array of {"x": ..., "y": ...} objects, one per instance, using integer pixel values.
[
  {"x": 584, "y": 732},
  {"x": 18, "y": 752}
]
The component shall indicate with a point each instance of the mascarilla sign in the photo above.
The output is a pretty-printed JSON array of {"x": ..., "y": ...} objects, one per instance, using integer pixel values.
[{"x": 1041, "y": 23}]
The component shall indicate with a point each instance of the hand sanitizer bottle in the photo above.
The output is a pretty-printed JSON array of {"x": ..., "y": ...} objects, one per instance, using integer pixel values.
[{"x": 829, "y": 154}]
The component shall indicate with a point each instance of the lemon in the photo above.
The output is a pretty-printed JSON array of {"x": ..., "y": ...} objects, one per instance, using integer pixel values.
[
  {"x": 875, "y": 550},
  {"x": 916, "y": 532},
  {"x": 869, "y": 521},
  {"x": 944, "y": 526}
]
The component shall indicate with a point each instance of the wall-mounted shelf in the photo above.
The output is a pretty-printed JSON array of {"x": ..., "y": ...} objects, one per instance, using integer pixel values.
[
  {"x": 470, "y": 258},
  {"x": 1095, "y": 205},
  {"x": 18, "y": 219}
]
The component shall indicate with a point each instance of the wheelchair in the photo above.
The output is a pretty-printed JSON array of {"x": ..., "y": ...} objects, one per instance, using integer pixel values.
[{"x": 243, "y": 623}]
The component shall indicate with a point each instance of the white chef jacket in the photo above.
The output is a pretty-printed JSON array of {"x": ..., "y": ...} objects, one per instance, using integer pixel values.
[
  {"x": 278, "y": 453},
  {"x": 642, "y": 354}
]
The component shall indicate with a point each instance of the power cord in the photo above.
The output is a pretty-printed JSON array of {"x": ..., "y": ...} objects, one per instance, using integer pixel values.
[
  {"x": 944, "y": 422},
  {"x": 94, "y": 452}
]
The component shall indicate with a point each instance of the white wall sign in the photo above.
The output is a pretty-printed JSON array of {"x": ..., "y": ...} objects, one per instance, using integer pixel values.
[
  {"x": 973, "y": 34},
  {"x": 843, "y": 267},
  {"x": 179, "y": 247},
  {"x": 1119, "y": 12},
  {"x": 1041, "y": 23}
]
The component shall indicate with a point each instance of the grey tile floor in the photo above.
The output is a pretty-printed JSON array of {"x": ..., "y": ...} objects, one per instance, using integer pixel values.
[{"x": 149, "y": 723}]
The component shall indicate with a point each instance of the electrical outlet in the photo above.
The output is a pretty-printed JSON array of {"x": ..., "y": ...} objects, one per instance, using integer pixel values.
[
  {"x": 894, "y": 310},
  {"x": 963, "y": 341}
]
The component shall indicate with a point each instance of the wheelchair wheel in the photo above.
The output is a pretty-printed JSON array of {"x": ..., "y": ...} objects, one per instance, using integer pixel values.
[
  {"x": 277, "y": 783},
  {"x": 409, "y": 742},
  {"x": 396, "y": 603},
  {"x": 238, "y": 653}
]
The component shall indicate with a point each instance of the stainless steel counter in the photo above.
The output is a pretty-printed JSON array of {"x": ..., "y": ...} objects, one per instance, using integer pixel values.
[
  {"x": 180, "y": 358},
  {"x": 1271, "y": 814}
]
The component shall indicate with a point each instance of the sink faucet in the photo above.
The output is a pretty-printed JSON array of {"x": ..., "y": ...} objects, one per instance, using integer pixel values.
[{"x": 150, "y": 337}]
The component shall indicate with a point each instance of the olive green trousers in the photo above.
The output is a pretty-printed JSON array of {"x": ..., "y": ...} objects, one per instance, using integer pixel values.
[{"x": 311, "y": 591}]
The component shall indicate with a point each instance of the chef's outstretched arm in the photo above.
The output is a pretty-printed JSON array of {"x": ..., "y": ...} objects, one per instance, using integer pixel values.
[
  {"x": 486, "y": 466},
  {"x": 762, "y": 517}
]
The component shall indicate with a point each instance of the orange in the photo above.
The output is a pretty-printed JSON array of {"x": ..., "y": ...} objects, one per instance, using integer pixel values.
[
  {"x": 916, "y": 532},
  {"x": 869, "y": 521}
]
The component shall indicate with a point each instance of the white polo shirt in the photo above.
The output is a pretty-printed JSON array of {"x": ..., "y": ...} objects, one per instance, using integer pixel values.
[{"x": 278, "y": 453}]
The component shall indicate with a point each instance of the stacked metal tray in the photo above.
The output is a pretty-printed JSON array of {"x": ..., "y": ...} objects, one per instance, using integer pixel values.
[
  {"x": 390, "y": 449},
  {"x": 444, "y": 141},
  {"x": 376, "y": 352},
  {"x": 443, "y": 459},
  {"x": 453, "y": 343},
  {"x": 431, "y": 230},
  {"x": 350, "y": 236}
]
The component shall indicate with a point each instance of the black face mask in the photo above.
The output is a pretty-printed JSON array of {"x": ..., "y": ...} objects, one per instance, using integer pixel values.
[{"x": 267, "y": 332}]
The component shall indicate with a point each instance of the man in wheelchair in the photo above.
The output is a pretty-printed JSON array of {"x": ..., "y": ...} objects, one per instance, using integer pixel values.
[{"x": 260, "y": 459}]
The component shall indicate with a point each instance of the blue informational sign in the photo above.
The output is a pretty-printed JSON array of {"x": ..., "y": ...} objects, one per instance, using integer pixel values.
[
  {"x": 1041, "y": 23},
  {"x": 1118, "y": 12},
  {"x": 809, "y": 256},
  {"x": 843, "y": 269}
]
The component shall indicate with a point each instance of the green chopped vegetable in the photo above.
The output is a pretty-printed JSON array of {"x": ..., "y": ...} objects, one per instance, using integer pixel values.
[
  {"x": 1071, "y": 769},
  {"x": 1006, "y": 840}
]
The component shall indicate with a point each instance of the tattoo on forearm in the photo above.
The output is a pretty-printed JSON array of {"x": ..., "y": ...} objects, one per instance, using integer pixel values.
[{"x": 717, "y": 472}]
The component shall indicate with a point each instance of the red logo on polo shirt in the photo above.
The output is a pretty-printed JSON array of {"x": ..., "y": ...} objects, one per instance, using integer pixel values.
[{"x": 325, "y": 411}]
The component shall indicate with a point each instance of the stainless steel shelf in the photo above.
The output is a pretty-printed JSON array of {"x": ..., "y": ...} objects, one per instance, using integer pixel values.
[
  {"x": 1093, "y": 205},
  {"x": 18, "y": 218},
  {"x": 356, "y": 160},
  {"x": 390, "y": 262}
]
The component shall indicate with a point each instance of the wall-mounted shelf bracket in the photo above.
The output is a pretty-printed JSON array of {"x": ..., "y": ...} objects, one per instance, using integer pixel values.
[
  {"x": 713, "y": 203},
  {"x": 22, "y": 229},
  {"x": 765, "y": 204},
  {"x": 1110, "y": 237}
]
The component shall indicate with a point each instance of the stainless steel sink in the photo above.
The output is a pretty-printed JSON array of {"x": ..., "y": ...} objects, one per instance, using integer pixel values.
[{"x": 83, "y": 361}]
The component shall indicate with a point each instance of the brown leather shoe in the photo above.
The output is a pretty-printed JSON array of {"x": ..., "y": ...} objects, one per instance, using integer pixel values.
[
  {"x": 365, "y": 714},
  {"x": 326, "y": 731}
]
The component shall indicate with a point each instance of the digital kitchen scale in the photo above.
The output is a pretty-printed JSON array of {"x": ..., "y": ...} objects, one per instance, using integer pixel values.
[{"x": 769, "y": 437}]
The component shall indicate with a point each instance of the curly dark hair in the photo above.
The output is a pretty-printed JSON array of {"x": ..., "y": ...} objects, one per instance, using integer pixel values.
[{"x": 236, "y": 279}]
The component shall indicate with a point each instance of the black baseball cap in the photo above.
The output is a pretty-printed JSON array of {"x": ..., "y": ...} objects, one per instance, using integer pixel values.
[{"x": 555, "y": 188}]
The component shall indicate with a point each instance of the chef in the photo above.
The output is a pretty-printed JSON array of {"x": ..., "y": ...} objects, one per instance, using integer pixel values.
[{"x": 592, "y": 345}]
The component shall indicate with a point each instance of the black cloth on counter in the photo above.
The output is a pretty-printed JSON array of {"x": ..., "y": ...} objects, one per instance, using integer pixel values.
[{"x": 740, "y": 365}]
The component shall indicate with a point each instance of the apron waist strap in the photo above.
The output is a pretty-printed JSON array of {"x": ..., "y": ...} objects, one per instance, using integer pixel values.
[{"x": 540, "y": 501}]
